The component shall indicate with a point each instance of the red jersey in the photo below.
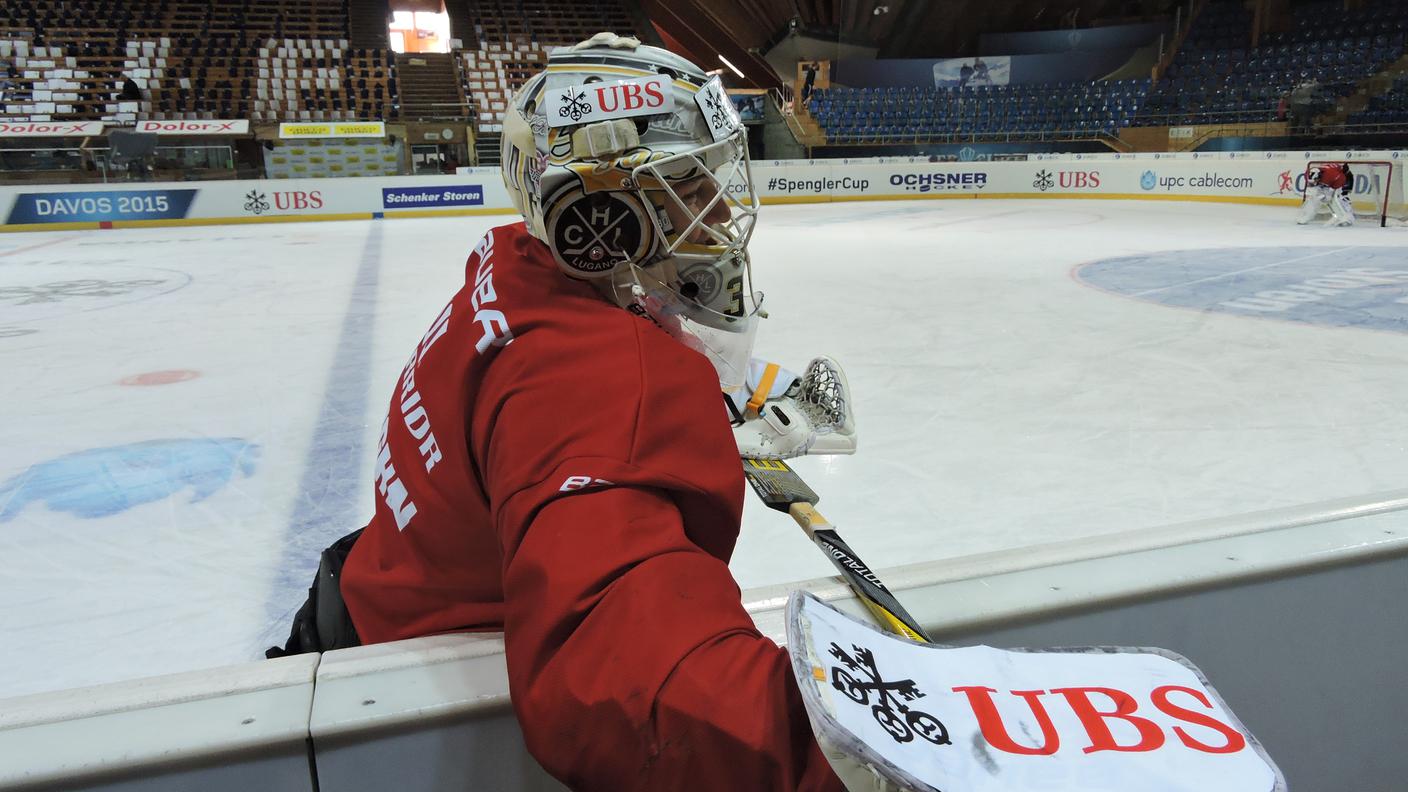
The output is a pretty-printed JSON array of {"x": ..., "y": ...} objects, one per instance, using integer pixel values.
[
  {"x": 1332, "y": 176},
  {"x": 560, "y": 469}
]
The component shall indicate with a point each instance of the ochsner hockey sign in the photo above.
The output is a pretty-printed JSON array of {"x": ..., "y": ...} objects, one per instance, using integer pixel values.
[{"x": 239, "y": 127}]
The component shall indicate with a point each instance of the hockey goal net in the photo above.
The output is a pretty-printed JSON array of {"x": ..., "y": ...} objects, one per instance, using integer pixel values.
[{"x": 1377, "y": 195}]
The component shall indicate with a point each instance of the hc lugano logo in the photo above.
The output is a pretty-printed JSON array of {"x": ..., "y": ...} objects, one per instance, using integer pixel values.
[
  {"x": 897, "y": 719},
  {"x": 594, "y": 235}
]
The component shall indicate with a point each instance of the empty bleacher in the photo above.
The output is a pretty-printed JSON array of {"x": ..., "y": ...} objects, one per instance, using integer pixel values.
[
  {"x": 264, "y": 60},
  {"x": 1218, "y": 77},
  {"x": 492, "y": 74},
  {"x": 512, "y": 38},
  {"x": 1387, "y": 110},
  {"x": 913, "y": 114}
]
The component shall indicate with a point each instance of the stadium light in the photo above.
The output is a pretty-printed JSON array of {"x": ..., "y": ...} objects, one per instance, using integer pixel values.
[{"x": 731, "y": 66}]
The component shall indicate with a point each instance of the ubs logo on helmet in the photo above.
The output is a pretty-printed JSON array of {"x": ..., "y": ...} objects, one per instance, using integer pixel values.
[{"x": 591, "y": 102}]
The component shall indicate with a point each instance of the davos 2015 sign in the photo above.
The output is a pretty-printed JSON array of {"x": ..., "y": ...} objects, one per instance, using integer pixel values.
[{"x": 106, "y": 206}]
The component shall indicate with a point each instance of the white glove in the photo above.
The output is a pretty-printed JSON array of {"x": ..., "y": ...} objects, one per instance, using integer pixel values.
[{"x": 788, "y": 416}]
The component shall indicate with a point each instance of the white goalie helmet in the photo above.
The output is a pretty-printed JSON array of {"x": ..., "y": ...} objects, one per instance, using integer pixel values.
[{"x": 631, "y": 165}]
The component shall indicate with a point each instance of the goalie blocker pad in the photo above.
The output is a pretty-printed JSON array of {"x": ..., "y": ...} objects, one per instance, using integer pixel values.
[{"x": 894, "y": 714}]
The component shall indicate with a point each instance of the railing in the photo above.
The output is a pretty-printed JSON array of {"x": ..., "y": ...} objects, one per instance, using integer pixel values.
[
  {"x": 94, "y": 163},
  {"x": 1234, "y": 123},
  {"x": 1367, "y": 128},
  {"x": 782, "y": 98},
  {"x": 1298, "y": 120},
  {"x": 454, "y": 111},
  {"x": 1204, "y": 118},
  {"x": 1181, "y": 29},
  {"x": 890, "y": 139}
]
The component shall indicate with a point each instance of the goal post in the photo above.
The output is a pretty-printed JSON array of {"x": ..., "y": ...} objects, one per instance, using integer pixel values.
[{"x": 1377, "y": 194}]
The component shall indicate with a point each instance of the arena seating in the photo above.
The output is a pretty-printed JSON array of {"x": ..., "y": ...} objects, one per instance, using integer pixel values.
[
  {"x": 514, "y": 38},
  {"x": 1386, "y": 110},
  {"x": 264, "y": 60},
  {"x": 1013, "y": 112},
  {"x": 492, "y": 73},
  {"x": 48, "y": 22},
  {"x": 553, "y": 22},
  {"x": 1218, "y": 77}
]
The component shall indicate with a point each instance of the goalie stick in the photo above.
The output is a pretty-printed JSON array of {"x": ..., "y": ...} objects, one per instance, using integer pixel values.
[{"x": 780, "y": 488}]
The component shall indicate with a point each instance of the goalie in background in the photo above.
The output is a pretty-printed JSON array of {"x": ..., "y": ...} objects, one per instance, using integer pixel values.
[{"x": 1329, "y": 184}]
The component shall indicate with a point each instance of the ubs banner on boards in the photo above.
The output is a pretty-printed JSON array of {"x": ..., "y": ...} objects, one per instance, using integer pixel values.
[
  {"x": 1262, "y": 179},
  {"x": 36, "y": 206},
  {"x": 1267, "y": 178}
]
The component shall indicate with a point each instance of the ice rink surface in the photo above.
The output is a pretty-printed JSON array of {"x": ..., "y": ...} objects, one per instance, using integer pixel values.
[{"x": 191, "y": 414}]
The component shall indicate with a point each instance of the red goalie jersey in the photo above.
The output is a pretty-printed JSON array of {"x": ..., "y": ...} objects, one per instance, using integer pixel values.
[
  {"x": 1332, "y": 176},
  {"x": 557, "y": 468}
]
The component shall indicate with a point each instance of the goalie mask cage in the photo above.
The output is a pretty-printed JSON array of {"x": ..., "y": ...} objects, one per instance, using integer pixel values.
[{"x": 1377, "y": 194}]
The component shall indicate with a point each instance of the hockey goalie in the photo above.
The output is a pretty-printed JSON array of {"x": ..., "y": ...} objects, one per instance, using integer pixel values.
[
  {"x": 1328, "y": 185},
  {"x": 555, "y": 465}
]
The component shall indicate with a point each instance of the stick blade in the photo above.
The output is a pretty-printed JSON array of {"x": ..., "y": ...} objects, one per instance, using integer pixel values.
[{"x": 776, "y": 484}]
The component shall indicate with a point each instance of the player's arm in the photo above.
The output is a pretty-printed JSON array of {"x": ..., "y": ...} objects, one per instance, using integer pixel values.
[{"x": 632, "y": 663}]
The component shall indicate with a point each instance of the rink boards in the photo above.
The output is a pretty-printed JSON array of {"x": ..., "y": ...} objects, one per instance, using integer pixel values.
[
  {"x": 1293, "y": 614},
  {"x": 1270, "y": 178}
]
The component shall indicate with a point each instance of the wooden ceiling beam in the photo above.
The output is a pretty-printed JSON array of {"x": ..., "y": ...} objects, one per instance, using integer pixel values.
[{"x": 705, "y": 40}]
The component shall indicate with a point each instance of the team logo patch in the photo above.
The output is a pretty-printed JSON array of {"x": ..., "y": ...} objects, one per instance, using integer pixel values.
[
  {"x": 708, "y": 281},
  {"x": 718, "y": 110},
  {"x": 592, "y": 235},
  {"x": 584, "y": 104},
  {"x": 860, "y": 680}
]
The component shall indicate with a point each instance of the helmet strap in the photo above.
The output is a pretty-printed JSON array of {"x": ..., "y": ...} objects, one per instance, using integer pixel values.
[{"x": 604, "y": 138}]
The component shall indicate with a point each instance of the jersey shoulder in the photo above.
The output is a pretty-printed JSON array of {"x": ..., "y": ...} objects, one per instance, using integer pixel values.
[{"x": 616, "y": 389}]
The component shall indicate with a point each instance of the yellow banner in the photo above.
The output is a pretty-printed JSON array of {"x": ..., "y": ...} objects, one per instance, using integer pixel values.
[{"x": 344, "y": 129}]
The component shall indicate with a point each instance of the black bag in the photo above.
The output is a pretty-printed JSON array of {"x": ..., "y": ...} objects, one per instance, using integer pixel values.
[{"x": 323, "y": 623}]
